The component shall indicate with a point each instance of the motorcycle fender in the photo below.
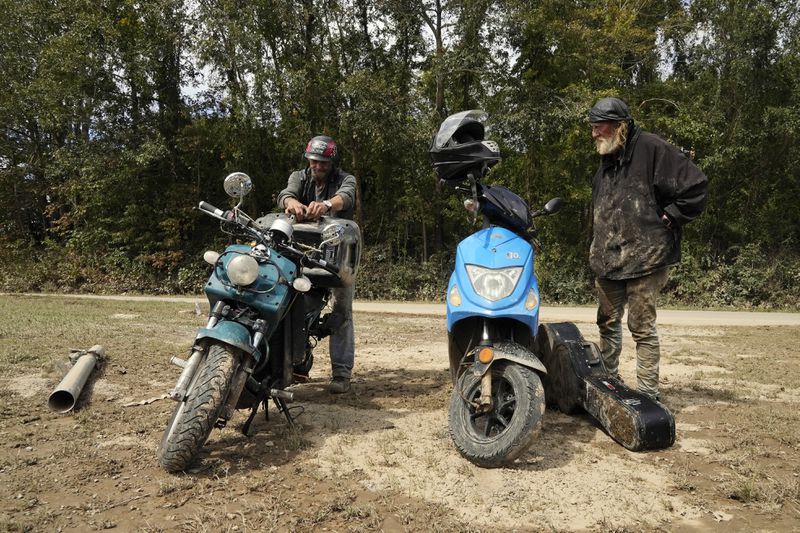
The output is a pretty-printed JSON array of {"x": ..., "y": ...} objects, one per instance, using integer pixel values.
[
  {"x": 508, "y": 351},
  {"x": 232, "y": 334}
]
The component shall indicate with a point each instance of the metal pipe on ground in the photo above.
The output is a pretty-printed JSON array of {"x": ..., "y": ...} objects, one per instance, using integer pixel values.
[{"x": 66, "y": 394}]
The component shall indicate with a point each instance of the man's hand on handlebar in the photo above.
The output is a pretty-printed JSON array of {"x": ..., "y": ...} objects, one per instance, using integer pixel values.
[
  {"x": 316, "y": 210},
  {"x": 312, "y": 211},
  {"x": 293, "y": 207}
]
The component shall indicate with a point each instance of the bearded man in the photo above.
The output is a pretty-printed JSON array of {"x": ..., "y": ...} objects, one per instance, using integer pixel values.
[
  {"x": 322, "y": 188},
  {"x": 644, "y": 192}
]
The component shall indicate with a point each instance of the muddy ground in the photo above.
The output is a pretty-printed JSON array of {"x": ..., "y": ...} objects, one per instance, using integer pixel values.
[{"x": 380, "y": 457}]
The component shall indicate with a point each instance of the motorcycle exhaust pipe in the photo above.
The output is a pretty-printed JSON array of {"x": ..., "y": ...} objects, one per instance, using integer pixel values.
[
  {"x": 282, "y": 394},
  {"x": 66, "y": 394}
]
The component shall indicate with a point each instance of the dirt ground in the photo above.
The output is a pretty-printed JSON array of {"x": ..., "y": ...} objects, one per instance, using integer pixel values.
[{"x": 380, "y": 457}]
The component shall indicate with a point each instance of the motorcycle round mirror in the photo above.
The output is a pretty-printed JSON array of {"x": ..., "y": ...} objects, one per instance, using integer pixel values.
[
  {"x": 332, "y": 234},
  {"x": 553, "y": 206},
  {"x": 238, "y": 184}
]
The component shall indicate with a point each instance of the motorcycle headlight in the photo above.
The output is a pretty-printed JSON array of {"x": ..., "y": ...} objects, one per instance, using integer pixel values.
[
  {"x": 493, "y": 284},
  {"x": 242, "y": 270}
]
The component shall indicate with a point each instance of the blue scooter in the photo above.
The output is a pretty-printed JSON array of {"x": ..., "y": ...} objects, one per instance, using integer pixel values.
[{"x": 497, "y": 402}]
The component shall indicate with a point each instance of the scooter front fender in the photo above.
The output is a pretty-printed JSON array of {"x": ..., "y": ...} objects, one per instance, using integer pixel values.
[
  {"x": 507, "y": 351},
  {"x": 232, "y": 334}
]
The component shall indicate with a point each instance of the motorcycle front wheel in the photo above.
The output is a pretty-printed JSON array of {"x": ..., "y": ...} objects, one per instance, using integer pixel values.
[
  {"x": 495, "y": 438},
  {"x": 194, "y": 417}
]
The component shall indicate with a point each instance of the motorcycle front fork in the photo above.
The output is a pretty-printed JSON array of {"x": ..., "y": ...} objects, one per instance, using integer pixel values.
[
  {"x": 178, "y": 393},
  {"x": 485, "y": 399}
]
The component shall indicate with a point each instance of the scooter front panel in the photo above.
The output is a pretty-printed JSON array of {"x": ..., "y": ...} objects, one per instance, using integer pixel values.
[{"x": 494, "y": 248}]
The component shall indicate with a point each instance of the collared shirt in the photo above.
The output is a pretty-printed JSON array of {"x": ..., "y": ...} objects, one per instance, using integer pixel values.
[{"x": 302, "y": 186}]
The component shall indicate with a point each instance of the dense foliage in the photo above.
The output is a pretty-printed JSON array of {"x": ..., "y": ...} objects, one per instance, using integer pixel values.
[{"x": 118, "y": 116}]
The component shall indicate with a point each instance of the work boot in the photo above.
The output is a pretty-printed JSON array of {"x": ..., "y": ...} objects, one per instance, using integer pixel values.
[
  {"x": 339, "y": 385},
  {"x": 653, "y": 396}
]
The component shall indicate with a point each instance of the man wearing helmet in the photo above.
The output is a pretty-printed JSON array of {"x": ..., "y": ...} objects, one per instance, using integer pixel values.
[
  {"x": 644, "y": 192},
  {"x": 325, "y": 189}
]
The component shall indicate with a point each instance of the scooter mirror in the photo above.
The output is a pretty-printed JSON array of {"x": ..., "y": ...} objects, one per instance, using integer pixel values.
[
  {"x": 553, "y": 206},
  {"x": 238, "y": 184}
]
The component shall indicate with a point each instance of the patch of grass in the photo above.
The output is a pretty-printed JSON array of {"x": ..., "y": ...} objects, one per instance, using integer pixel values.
[
  {"x": 83, "y": 418},
  {"x": 181, "y": 485},
  {"x": 778, "y": 343},
  {"x": 37, "y": 330},
  {"x": 12, "y": 526},
  {"x": 292, "y": 438},
  {"x": 763, "y": 491},
  {"x": 745, "y": 491},
  {"x": 212, "y": 521},
  {"x": 358, "y": 512},
  {"x": 700, "y": 385},
  {"x": 683, "y": 478}
]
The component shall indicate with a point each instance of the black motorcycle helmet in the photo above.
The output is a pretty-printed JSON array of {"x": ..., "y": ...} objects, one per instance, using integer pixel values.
[
  {"x": 459, "y": 147},
  {"x": 609, "y": 109}
]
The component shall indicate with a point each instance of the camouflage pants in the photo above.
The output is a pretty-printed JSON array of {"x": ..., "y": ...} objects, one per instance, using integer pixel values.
[{"x": 640, "y": 296}]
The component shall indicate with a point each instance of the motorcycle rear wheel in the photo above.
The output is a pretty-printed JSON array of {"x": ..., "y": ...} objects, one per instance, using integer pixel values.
[
  {"x": 194, "y": 417},
  {"x": 496, "y": 438}
]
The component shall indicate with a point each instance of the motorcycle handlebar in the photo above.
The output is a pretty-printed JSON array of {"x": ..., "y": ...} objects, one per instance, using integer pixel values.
[
  {"x": 321, "y": 263},
  {"x": 208, "y": 208},
  {"x": 223, "y": 215},
  {"x": 333, "y": 269}
]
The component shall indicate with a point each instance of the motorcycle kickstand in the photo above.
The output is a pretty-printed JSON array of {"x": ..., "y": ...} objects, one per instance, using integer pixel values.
[
  {"x": 253, "y": 412},
  {"x": 280, "y": 403}
]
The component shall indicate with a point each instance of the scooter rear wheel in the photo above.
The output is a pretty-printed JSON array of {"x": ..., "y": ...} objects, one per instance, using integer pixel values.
[
  {"x": 194, "y": 417},
  {"x": 497, "y": 437}
]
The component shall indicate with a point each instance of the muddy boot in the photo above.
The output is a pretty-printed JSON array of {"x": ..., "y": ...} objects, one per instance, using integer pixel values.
[{"x": 339, "y": 385}]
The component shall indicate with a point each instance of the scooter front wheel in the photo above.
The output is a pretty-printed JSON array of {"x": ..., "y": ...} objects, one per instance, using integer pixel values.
[
  {"x": 496, "y": 437},
  {"x": 194, "y": 417}
]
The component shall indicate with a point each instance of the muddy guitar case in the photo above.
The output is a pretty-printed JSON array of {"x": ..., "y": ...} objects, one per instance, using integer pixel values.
[{"x": 577, "y": 379}]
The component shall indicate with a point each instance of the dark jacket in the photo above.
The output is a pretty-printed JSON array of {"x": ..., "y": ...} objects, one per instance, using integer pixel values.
[
  {"x": 630, "y": 192},
  {"x": 301, "y": 186}
]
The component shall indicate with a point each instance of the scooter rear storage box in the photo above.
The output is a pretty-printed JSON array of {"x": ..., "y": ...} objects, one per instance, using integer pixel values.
[{"x": 577, "y": 379}]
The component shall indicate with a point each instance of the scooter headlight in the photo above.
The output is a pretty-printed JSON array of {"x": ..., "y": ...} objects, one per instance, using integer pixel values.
[
  {"x": 493, "y": 284},
  {"x": 242, "y": 270}
]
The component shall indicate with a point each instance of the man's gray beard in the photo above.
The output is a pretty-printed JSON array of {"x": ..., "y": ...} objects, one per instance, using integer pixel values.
[
  {"x": 608, "y": 145},
  {"x": 319, "y": 176}
]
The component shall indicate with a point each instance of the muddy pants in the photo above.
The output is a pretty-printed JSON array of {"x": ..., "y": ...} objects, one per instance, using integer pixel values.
[
  {"x": 640, "y": 296},
  {"x": 342, "y": 342}
]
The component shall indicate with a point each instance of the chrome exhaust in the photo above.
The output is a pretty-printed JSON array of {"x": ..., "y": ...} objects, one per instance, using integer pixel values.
[{"x": 66, "y": 394}]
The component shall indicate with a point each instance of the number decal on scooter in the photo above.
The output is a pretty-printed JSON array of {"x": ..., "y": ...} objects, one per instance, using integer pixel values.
[{"x": 512, "y": 255}]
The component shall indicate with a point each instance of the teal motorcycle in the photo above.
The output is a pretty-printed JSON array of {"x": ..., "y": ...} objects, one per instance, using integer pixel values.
[{"x": 267, "y": 298}]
